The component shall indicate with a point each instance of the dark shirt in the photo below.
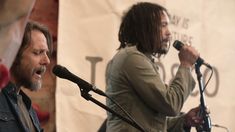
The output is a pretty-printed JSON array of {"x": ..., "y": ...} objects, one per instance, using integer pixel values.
[
  {"x": 24, "y": 114},
  {"x": 11, "y": 114}
]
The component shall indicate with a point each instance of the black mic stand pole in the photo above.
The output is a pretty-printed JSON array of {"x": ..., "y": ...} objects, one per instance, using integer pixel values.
[
  {"x": 87, "y": 96},
  {"x": 206, "y": 126}
]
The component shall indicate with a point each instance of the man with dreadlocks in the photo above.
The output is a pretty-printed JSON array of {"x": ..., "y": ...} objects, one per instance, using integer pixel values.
[{"x": 133, "y": 79}]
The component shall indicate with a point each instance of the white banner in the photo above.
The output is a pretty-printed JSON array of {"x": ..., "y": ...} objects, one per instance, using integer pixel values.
[{"x": 88, "y": 39}]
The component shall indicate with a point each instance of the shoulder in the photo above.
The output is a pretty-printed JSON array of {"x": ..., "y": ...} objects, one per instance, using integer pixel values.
[
  {"x": 5, "y": 112},
  {"x": 131, "y": 53}
]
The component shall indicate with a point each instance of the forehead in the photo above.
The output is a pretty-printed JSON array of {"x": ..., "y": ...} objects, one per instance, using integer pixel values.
[
  {"x": 164, "y": 16},
  {"x": 36, "y": 34},
  {"x": 38, "y": 40}
]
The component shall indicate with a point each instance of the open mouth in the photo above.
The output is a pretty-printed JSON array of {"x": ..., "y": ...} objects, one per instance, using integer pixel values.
[{"x": 40, "y": 71}]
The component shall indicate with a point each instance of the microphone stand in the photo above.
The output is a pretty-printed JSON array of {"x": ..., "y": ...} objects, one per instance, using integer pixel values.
[
  {"x": 206, "y": 126},
  {"x": 85, "y": 94}
]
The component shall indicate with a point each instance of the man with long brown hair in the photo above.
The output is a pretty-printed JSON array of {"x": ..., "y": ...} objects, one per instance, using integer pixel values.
[{"x": 17, "y": 114}]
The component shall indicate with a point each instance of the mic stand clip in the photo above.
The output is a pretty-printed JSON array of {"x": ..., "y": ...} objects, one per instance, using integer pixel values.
[{"x": 85, "y": 94}]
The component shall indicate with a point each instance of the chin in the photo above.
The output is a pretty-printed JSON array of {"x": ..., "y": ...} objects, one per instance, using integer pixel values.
[
  {"x": 35, "y": 86},
  {"x": 163, "y": 51},
  {"x": 164, "y": 48}
]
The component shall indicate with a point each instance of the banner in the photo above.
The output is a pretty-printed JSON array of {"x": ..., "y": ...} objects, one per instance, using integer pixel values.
[
  {"x": 13, "y": 18},
  {"x": 88, "y": 39}
]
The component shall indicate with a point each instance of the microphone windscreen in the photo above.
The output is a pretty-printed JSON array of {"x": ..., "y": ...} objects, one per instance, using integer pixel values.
[
  {"x": 59, "y": 71},
  {"x": 178, "y": 44}
]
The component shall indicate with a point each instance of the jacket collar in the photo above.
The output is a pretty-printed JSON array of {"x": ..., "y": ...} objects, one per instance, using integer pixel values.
[{"x": 10, "y": 90}]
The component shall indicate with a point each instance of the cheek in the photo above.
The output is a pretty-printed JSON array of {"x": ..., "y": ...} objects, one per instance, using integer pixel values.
[
  {"x": 27, "y": 65},
  {"x": 31, "y": 61},
  {"x": 163, "y": 31}
]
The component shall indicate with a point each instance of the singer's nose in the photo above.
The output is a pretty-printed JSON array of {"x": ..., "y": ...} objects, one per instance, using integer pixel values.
[{"x": 168, "y": 32}]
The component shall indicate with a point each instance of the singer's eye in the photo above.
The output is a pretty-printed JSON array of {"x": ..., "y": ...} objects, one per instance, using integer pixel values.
[
  {"x": 39, "y": 52},
  {"x": 36, "y": 52},
  {"x": 164, "y": 24}
]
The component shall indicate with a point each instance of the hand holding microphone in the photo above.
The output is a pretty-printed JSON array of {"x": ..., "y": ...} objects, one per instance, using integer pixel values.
[{"x": 188, "y": 55}]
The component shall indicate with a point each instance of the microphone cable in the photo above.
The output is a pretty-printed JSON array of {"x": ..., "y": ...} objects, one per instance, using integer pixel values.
[
  {"x": 208, "y": 79},
  {"x": 219, "y": 126}
]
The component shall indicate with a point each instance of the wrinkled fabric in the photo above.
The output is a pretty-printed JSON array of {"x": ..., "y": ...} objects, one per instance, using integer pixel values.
[
  {"x": 133, "y": 80},
  {"x": 9, "y": 111}
]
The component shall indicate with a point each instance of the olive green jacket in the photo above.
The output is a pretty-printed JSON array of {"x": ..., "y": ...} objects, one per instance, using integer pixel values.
[{"x": 133, "y": 81}]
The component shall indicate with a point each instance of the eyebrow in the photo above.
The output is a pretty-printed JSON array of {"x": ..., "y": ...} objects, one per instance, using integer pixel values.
[
  {"x": 164, "y": 22},
  {"x": 40, "y": 49}
]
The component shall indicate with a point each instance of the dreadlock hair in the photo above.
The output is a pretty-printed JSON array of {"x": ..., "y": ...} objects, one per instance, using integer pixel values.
[{"x": 141, "y": 26}]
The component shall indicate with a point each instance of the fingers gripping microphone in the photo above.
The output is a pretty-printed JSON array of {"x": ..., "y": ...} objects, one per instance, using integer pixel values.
[
  {"x": 178, "y": 45},
  {"x": 64, "y": 73}
]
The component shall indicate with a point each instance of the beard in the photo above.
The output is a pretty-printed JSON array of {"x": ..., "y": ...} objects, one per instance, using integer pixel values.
[
  {"x": 165, "y": 45},
  {"x": 24, "y": 77}
]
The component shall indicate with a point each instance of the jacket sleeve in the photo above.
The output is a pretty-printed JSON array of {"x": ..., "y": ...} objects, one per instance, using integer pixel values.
[
  {"x": 146, "y": 81},
  {"x": 176, "y": 124}
]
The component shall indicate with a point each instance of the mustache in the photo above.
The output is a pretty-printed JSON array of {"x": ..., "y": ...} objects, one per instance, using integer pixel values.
[
  {"x": 166, "y": 40},
  {"x": 40, "y": 70}
]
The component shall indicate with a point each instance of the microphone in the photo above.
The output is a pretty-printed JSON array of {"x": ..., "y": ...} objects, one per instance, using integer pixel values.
[
  {"x": 178, "y": 45},
  {"x": 64, "y": 73}
]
